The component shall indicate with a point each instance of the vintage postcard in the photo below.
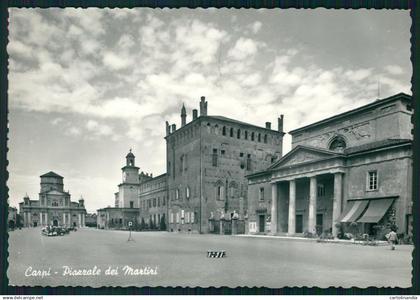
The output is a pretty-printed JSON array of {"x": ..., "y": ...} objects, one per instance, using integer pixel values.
[{"x": 209, "y": 148}]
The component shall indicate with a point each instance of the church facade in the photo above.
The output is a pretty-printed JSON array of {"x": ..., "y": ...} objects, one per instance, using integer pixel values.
[
  {"x": 54, "y": 206},
  {"x": 354, "y": 169}
]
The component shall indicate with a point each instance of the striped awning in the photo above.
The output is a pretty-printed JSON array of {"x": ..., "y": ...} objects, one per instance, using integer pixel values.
[
  {"x": 353, "y": 211},
  {"x": 376, "y": 210}
]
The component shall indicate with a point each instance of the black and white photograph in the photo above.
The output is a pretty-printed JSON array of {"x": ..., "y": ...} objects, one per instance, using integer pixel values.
[{"x": 210, "y": 148}]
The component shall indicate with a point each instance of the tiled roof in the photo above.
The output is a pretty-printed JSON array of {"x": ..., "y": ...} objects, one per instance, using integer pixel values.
[
  {"x": 51, "y": 174},
  {"x": 375, "y": 145}
]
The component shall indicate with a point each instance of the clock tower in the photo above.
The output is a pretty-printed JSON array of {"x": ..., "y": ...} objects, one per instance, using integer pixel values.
[{"x": 127, "y": 196}]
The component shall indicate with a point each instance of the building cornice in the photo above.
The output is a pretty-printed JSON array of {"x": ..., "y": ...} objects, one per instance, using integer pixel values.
[{"x": 379, "y": 102}]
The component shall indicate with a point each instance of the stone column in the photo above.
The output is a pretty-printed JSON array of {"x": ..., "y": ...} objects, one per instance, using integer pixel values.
[
  {"x": 83, "y": 220},
  {"x": 221, "y": 229},
  {"x": 46, "y": 218},
  {"x": 41, "y": 219},
  {"x": 64, "y": 219},
  {"x": 29, "y": 219},
  {"x": 274, "y": 188},
  {"x": 338, "y": 194},
  {"x": 292, "y": 208},
  {"x": 80, "y": 220},
  {"x": 312, "y": 205},
  {"x": 25, "y": 219}
]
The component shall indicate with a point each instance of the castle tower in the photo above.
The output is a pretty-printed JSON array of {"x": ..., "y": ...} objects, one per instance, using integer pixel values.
[
  {"x": 203, "y": 106},
  {"x": 183, "y": 115}
]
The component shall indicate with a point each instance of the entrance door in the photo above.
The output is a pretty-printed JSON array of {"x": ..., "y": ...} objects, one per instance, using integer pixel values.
[
  {"x": 74, "y": 224},
  {"x": 55, "y": 223},
  {"x": 319, "y": 223},
  {"x": 35, "y": 224},
  {"x": 261, "y": 223},
  {"x": 299, "y": 223}
]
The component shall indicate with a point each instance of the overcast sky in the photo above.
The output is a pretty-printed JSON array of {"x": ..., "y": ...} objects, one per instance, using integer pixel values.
[{"x": 86, "y": 85}]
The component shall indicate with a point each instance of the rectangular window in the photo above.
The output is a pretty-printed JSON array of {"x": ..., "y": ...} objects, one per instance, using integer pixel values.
[
  {"x": 372, "y": 180},
  {"x": 262, "y": 194},
  {"x": 158, "y": 203},
  {"x": 193, "y": 217},
  {"x": 177, "y": 194},
  {"x": 187, "y": 192},
  {"x": 321, "y": 190},
  {"x": 163, "y": 201},
  {"x": 214, "y": 161},
  {"x": 248, "y": 162},
  {"x": 131, "y": 204},
  {"x": 187, "y": 217},
  {"x": 177, "y": 217},
  {"x": 171, "y": 218},
  {"x": 222, "y": 152}
]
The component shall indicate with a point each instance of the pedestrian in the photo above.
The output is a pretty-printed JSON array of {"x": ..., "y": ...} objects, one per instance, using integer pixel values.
[{"x": 392, "y": 238}]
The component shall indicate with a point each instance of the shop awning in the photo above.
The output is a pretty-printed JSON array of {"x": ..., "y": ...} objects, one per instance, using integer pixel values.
[
  {"x": 376, "y": 210},
  {"x": 353, "y": 210}
]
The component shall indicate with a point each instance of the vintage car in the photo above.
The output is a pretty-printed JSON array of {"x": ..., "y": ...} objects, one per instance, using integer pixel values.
[
  {"x": 48, "y": 231},
  {"x": 55, "y": 230}
]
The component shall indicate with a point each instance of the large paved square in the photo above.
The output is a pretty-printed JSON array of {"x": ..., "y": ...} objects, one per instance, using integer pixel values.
[{"x": 181, "y": 260}]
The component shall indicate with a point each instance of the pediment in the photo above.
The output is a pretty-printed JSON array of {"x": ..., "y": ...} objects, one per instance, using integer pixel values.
[{"x": 302, "y": 154}]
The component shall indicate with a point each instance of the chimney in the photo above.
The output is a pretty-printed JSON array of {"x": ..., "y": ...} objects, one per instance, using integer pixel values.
[
  {"x": 203, "y": 106},
  {"x": 183, "y": 116},
  {"x": 173, "y": 128},
  {"x": 280, "y": 121},
  {"x": 195, "y": 114},
  {"x": 268, "y": 125},
  {"x": 168, "y": 128}
]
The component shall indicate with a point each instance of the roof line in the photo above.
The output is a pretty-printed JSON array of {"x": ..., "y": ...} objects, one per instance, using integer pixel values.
[
  {"x": 352, "y": 111},
  {"x": 226, "y": 119}
]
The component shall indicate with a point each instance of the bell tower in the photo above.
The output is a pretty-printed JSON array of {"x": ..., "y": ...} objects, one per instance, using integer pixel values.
[
  {"x": 127, "y": 196},
  {"x": 130, "y": 172}
]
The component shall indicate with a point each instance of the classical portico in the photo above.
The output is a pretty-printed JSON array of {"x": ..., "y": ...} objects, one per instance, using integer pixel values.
[{"x": 307, "y": 184}]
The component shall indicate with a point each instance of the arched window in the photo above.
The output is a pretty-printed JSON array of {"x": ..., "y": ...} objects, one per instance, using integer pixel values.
[
  {"x": 220, "y": 190},
  {"x": 238, "y": 135},
  {"x": 265, "y": 138},
  {"x": 259, "y": 137},
  {"x": 252, "y": 136},
  {"x": 187, "y": 192},
  {"x": 224, "y": 130},
  {"x": 216, "y": 129},
  {"x": 231, "y": 132},
  {"x": 246, "y": 134},
  {"x": 338, "y": 144}
]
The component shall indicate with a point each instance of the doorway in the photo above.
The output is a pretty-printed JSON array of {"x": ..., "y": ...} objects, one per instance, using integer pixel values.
[
  {"x": 35, "y": 224},
  {"x": 74, "y": 224},
  {"x": 55, "y": 223},
  {"x": 261, "y": 223},
  {"x": 319, "y": 224},
  {"x": 299, "y": 223}
]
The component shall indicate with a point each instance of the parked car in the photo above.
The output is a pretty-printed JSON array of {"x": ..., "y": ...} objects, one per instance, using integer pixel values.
[{"x": 48, "y": 231}]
